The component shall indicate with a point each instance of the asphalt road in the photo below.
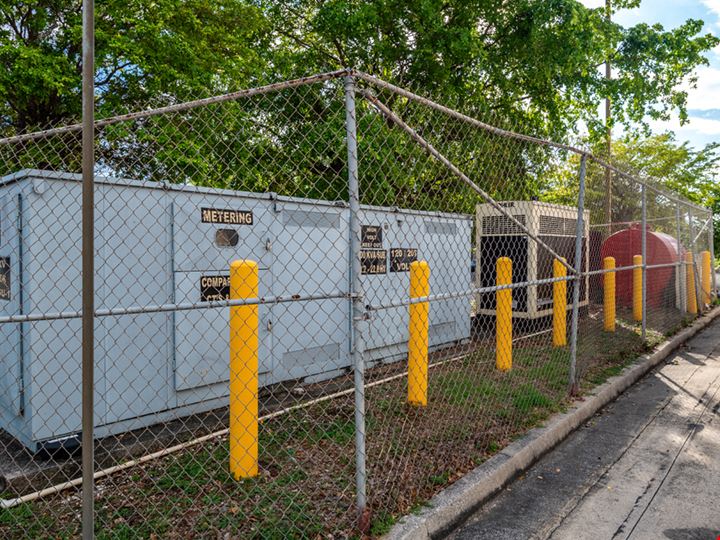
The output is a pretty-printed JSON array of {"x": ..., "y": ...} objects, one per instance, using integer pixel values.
[{"x": 645, "y": 467}]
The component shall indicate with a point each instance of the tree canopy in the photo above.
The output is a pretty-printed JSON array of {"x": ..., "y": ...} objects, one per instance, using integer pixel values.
[
  {"x": 532, "y": 60},
  {"x": 529, "y": 65},
  {"x": 535, "y": 61},
  {"x": 145, "y": 51},
  {"x": 659, "y": 159}
]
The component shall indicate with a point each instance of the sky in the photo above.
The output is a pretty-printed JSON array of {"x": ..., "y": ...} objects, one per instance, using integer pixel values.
[{"x": 703, "y": 101}]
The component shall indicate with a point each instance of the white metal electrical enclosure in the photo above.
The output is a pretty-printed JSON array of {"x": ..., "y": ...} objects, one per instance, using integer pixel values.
[
  {"x": 160, "y": 244},
  {"x": 497, "y": 236}
]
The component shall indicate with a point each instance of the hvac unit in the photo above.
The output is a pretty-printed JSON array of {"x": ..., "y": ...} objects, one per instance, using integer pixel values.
[{"x": 498, "y": 236}]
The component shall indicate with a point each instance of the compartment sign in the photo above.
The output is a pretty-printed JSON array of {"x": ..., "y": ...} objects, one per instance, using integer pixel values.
[
  {"x": 226, "y": 217},
  {"x": 400, "y": 259},
  {"x": 4, "y": 278},
  {"x": 373, "y": 261},
  {"x": 214, "y": 288},
  {"x": 371, "y": 237}
]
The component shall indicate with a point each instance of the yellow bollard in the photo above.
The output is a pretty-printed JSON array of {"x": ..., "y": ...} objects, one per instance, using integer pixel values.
[
  {"x": 243, "y": 371},
  {"x": 692, "y": 306},
  {"x": 503, "y": 315},
  {"x": 706, "y": 276},
  {"x": 418, "y": 331},
  {"x": 609, "y": 293},
  {"x": 637, "y": 287},
  {"x": 559, "y": 305}
]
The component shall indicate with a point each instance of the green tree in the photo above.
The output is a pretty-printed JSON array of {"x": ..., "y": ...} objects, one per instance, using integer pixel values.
[
  {"x": 529, "y": 65},
  {"x": 531, "y": 62},
  {"x": 678, "y": 167},
  {"x": 146, "y": 51}
]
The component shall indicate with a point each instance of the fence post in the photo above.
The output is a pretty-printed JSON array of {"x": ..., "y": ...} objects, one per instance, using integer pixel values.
[
  {"x": 609, "y": 294},
  {"x": 579, "y": 233},
  {"x": 418, "y": 332},
  {"x": 696, "y": 277},
  {"x": 503, "y": 315},
  {"x": 637, "y": 287},
  {"x": 357, "y": 308},
  {"x": 88, "y": 269},
  {"x": 690, "y": 287},
  {"x": 679, "y": 273},
  {"x": 559, "y": 305},
  {"x": 243, "y": 439},
  {"x": 713, "y": 278},
  {"x": 643, "y": 290}
]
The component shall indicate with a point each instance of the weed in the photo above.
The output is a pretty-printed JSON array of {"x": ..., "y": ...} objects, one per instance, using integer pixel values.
[{"x": 382, "y": 522}]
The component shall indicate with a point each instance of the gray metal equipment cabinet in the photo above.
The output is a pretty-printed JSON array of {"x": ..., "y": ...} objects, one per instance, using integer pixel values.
[{"x": 161, "y": 244}]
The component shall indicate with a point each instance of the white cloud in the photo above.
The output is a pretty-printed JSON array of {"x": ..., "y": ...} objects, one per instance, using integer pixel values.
[
  {"x": 712, "y": 5},
  {"x": 703, "y": 126},
  {"x": 699, "y": 131},
  {"x": 705, "y": 95}
]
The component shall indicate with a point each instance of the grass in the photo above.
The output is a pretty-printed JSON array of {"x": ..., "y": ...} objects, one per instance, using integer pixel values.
[{"x": 306, "y": 484}]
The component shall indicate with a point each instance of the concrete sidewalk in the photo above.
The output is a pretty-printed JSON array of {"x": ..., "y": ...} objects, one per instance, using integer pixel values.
[{"x": 647, "y": 466}]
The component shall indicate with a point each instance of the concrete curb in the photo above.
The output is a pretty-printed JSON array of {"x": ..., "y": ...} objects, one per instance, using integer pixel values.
[{"x": 449, "y": 507}]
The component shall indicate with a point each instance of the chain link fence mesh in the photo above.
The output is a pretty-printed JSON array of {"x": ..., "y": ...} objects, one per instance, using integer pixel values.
[{"x": 373, "y": 391}]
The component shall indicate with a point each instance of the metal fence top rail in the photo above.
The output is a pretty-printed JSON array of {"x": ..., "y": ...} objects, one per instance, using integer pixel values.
[
  {"x": 321, "y": 77},
  {"x": 519, "y": 136},
  {"x": 187, "y": 105}
]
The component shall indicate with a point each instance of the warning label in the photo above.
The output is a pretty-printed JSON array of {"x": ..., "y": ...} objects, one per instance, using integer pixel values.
[
  {"x": 373, "y": 261},
  {"x": 4, "y": 278},
  {"x": 226, "y": 217},
  {"x": 213, "y": 288},
  {"x": 400, "y": 259},
  {"x": 371, "y": 237}
]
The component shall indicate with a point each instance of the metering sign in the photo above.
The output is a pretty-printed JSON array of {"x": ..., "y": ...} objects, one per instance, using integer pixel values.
[
  {"x": 217, "y": 288},
  {"x": 226, "y": 217}
]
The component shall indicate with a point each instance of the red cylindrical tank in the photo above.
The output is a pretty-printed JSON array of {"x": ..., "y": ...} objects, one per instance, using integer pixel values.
[{"x": 661, "y": 249}]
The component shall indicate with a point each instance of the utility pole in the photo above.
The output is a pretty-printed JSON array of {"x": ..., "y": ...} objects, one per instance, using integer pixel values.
[{"x": 608, "y": 135}]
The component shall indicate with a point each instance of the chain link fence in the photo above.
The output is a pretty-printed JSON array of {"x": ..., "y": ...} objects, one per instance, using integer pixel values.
[{"x": 416, "y": 289}]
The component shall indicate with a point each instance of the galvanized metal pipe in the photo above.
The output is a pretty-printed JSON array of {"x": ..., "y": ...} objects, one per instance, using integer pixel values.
[
  {"x": 172, "y": 307},
  {"x": 88, "y": 268},
  {"x": 268, "y": 300},
  {"x": 185, "y": 106},
  {"x": 579, "y": 233},
  {"x": 702, "y": 229},
  {"x": 643, "y": 249},
  {"x": 651, "y": 220},
  {"x": 385, "y": 110},
  {"x": 680, "y": 275},
  {"x": 614, "y": 270},
  {"x": 693, "y": 249},
  {"x": 402, "y": 302},
  {"x": 511, "y": 134},
  {"x": 711, "y": 239},
  {"x": 357, "y": 309}
]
